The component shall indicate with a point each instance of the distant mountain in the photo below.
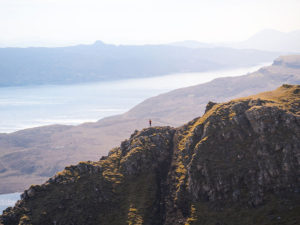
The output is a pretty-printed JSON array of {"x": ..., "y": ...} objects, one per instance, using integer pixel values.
[
  {"x": 272, "y": 40},
  {"x": 102, "y": 62},
  {"x": 237, "y": 164},
  {"x": 265, "y": 40},
  {"x": 30, "y": 156}
]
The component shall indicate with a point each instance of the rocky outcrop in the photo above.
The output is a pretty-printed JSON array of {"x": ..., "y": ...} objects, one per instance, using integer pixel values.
[
  {"x": 237, "y": 164},
  {"x": 209, "y": 106}
]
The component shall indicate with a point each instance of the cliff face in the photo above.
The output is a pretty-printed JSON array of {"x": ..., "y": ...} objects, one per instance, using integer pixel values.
[{"x": 237, "y": 164}]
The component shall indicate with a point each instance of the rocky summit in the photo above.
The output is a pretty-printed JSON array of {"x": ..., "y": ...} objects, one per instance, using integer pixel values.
[{"x": 237, "y": 164}]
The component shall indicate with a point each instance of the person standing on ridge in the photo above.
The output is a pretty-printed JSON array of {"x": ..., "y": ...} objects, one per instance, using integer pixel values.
[{"x": 150, "y": 122}]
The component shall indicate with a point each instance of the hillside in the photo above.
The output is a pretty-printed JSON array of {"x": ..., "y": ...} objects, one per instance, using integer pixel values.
[
  {"x": 237, "y": 164},
  {"x": 103, "y": 62},
  {"x": 30, "y": 156}
]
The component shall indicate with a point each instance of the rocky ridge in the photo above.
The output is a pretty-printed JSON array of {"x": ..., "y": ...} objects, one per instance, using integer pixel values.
[{"x": 237, "y": 164}]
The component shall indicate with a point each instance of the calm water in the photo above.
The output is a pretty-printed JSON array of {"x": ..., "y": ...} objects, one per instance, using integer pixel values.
[
  {"x": 8, "y": 200},
  {"x": 25, "y": 107}
]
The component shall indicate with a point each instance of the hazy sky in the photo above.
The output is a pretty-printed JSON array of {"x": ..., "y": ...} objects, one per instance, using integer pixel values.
[{"x": 142, "y": 21}]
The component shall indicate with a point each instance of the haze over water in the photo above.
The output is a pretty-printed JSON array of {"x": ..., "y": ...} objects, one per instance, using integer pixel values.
[
  {"x": 26, "y": 107},
  {"x": 7, "y": 200}
]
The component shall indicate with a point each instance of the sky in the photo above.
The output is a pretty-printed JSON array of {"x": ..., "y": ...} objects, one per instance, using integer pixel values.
[{"x": 66, "y": 22}]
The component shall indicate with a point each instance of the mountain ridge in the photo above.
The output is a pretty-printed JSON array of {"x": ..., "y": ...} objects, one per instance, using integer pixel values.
[
  {"x": 237, "y": 164},
  {"x": 106, "y": 62},
  {"x": 264, "y": 40},
  {"x": 273, "y": 40}
]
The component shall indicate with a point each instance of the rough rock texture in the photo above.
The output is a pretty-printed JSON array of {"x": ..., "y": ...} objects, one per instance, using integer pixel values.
[{"x": 237, "y": 164}]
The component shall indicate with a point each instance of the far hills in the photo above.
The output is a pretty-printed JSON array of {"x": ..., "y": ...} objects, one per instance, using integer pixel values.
[
  {"x": 103, "y": 62},
  {"x": 265, "y": 40},
  {"x": 272, "y": 40},
  {"x": 30, "y": 156}
]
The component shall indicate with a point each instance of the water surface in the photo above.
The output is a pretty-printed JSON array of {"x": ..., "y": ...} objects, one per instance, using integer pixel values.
[
  {"x": 25, "y": 107},
  {"x": 7, "y": 200}
]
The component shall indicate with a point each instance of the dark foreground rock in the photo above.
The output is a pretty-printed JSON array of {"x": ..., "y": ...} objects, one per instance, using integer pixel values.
[{"x": 237, "y": 164}]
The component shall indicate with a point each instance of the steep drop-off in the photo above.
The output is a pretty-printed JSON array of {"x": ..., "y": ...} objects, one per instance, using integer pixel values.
[{"x": 237, "y": 164}]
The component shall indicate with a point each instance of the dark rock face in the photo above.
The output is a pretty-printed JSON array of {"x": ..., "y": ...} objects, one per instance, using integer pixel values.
[
  {"x": 247, "y": 151},
  {"x": 237, "y": 164},
  {"x": 209, "y": 106}
]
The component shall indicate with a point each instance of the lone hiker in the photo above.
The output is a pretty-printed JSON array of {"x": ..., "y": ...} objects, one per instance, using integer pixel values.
[{"x": 150, "y": 122}]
